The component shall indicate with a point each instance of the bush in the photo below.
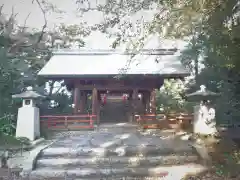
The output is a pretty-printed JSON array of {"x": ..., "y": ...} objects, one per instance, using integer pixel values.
[
  {"x": 7, "y": 125},
  {"x": 170, "y": 99}
]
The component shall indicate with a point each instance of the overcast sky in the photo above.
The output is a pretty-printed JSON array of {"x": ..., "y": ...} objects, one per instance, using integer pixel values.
[
  {"x": 70, "y": 16},
  {"x": 24, "y": 7}
]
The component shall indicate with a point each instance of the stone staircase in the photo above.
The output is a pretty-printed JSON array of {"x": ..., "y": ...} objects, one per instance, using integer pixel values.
[{"x": 114, "y": 152}]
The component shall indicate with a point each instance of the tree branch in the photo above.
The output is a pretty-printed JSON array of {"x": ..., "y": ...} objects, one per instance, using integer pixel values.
[
  {"x": 45, "y": 21},
  {"x": 1, "y": 8},
  {"x": 20, "y": 42},
  {"x": 25, "y": 22}
]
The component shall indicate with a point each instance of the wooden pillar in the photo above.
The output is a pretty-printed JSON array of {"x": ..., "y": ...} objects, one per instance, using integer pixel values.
[
  {"x": 145, "y": 101},
  {"x": 134, "y": 103},
  {"x": 76, "y": 98},
  {"x": 98, "y": 106},
  {"x": 95, "y": 104},
  {"x": 153, "y": 102},
  {"x": 83, "y": 101},
  {"x": 94, "y": 101},
  {"x": 130, "y": 107}
]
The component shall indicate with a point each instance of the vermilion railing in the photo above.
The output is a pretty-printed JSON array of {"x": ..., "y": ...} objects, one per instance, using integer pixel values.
[
  {"x": 71, "y": 122},
  {"x": 149, "y": 117},
  {"x": 170, "y": 120}
]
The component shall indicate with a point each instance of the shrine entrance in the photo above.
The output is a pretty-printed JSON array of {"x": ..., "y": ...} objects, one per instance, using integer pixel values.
[
  {"x": 104, "y": 90},
  {"x": 114, "y": 108},
  {"x": 111, "y": 100}
]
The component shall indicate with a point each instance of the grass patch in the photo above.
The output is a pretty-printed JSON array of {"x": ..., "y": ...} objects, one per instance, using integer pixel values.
[
  {"x": 225, "y": 157},
  {"x": 11, "y": 142}
]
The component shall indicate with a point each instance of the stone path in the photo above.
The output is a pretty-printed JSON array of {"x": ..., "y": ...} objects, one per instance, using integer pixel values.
[{"x": 116, "y": 151}]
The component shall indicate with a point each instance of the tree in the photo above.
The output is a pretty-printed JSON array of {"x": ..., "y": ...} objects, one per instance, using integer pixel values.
[
  {"x": 170, "y": 99},
  {"x": 219, "y": 45},
  {"x": 24, "y": 52}
]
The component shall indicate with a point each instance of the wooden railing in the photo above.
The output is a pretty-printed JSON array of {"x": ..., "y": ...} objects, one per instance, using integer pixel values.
[
  {"x": 180, "y": 120},
  {"x": 72, "y": 122}
]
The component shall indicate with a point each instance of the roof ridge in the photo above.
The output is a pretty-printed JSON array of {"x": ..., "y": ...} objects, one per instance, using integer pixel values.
[{"x": 156, "y": 51}]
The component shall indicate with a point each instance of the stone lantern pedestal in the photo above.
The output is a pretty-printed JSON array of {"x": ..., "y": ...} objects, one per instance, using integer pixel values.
[
  {"x": 204, "y": 120},
  {"x": 28, "y": 123},
  {"x": 204, "y": 114}
]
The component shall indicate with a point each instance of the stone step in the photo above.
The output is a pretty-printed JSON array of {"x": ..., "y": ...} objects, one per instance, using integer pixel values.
[
  {"x": 119, "y": 126},
  {"x": 108, "y": 178},
  {"x": 174, "y": 172},
  {"x": 115, "y": 162},
  {"x": 105, "y": 152},
  {"x": 87, "y": 173}
]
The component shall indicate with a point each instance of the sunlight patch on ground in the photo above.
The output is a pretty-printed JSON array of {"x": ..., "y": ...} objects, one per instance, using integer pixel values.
[
  {"x": 115, "y": 141},
  {"x": 166, "y": 137},
  {"x": 99, "y": 152},
  {"x": 95, "y": 159},
  {"x": 180, "y": 133},
  {"x": 121, "y": 124},
  {"x": 185, "y": 137},
  {"x": 123, "y": 136},
  {"x": 121, "y": 151},
  {"x": 178, "y": 172},
  {"x": 135, "y": 161},
  {"x": 108, "y": 144}
]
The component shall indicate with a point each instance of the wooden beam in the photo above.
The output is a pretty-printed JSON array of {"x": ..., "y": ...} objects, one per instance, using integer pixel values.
[
  {"x": 76, "y": 98},
  {"x": 112, "y": 88},
  {"x": 147, "y": 83}
]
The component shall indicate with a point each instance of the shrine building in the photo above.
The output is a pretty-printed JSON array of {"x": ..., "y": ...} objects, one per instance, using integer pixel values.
[{"x": 114, "y": 85}]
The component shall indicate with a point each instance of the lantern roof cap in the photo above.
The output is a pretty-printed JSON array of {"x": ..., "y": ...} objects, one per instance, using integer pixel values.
[
  {"x": 29, "y": 93},
  {"x": 202, "y": 94}
]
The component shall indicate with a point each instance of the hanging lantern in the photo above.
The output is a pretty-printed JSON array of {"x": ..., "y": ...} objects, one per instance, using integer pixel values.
[
  {"x": 104, "y": 99},
  {"x": 139, "y": 96},
  {"x": 124, "y": 98}
]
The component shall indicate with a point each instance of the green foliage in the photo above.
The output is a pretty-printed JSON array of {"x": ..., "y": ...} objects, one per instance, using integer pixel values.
[
  {"x": 24, "y": 140},
  {"x": 9, "y": 141},
  {"x": 22, "y": 54},
  {"x": 7, "y": 126},
  {"x": 62, "y": 105},
  {"x": 170, "y": 99}
]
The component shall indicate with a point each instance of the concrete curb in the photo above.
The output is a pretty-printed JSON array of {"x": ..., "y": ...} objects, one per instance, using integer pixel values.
[
  {"x": 32, "y": 158},
  {"x": 38, "y": 141},
  {"x": 38, "y": 154},
  {"x": 34, "y": 143},
  {"x": 26, "y": 171}
]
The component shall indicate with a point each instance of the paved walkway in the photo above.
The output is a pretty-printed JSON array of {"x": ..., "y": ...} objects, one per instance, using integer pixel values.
[{"x": 117, "y": 151}]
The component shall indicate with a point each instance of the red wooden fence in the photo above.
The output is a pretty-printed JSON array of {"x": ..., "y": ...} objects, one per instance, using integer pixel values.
[
  {"x": 72, "y": 122},
  {"x": 164, "y": 120},
  {"x": 76, "y": 122}
]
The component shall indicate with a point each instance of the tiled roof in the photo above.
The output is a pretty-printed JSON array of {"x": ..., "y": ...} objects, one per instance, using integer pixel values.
[{"x": 153, "y": 59}]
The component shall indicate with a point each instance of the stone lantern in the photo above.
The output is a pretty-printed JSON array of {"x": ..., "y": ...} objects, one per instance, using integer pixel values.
[
  {"x": 28, "y": 123},
  {"x": 204, "y": 113}
]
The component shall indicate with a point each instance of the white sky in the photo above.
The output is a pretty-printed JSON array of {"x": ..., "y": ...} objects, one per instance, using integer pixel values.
[
  {"x": 70, "y": 16},
  {"x": 24, "y": 7}
]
